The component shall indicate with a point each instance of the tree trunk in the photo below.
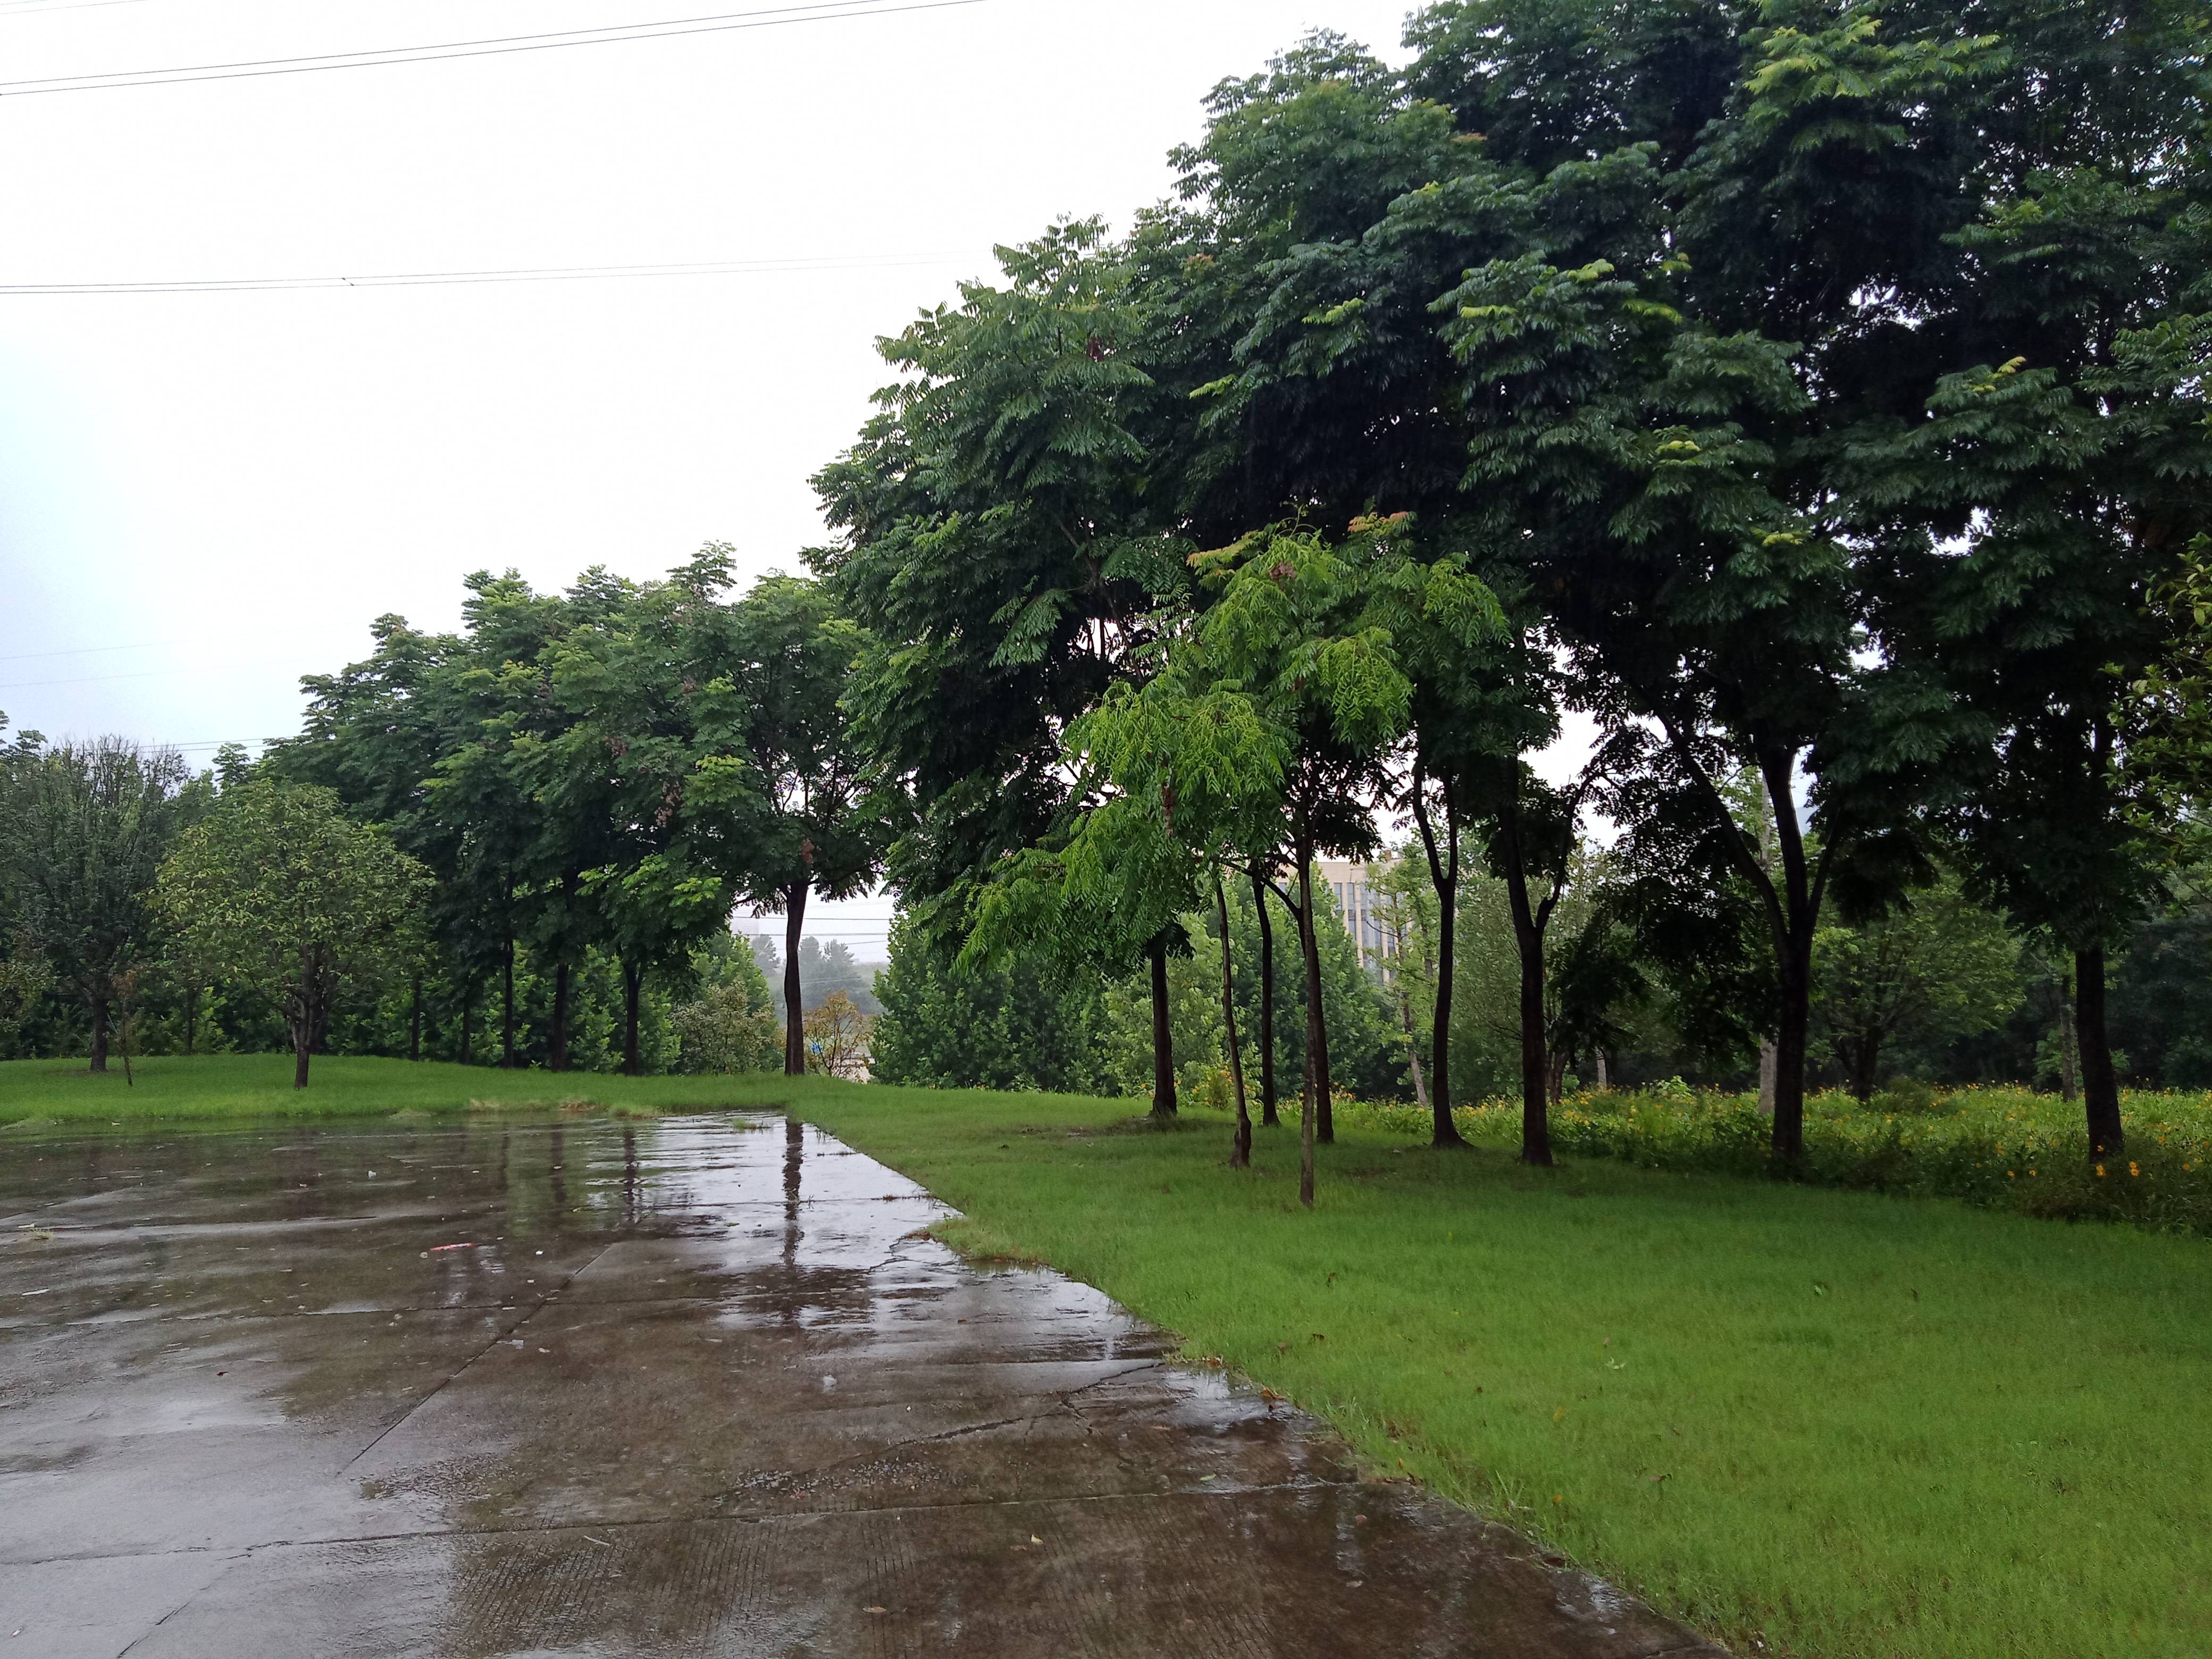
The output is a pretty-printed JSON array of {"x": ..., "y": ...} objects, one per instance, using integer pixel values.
[
  {"x": 468, "y": 1026},
  {"x": 557, "y": 1041},
  {"x": 633, "y": 987},
  {"x": 1413, "y": 1044},
  {"x": 1268, "y": 1116},
  {"x": 1793, "y": 910},
  {"x": 1530, "y": 924},
  {"x": 99, "y": 1061},
  {"x": 1767, "y": 1067},
  {"x": 1795, "y": 949},
  {"x": 1239, "y": 1155},
  {"x": 1323, "y": 1082},
  {"x": 1163, "y": 1084},
  {"x": 1604, "y": 1078},
  {"x": 1317, "y": 1080},
  {"x": 1443, "y": 876},
  {"x": 2069, "y": 1042},
  {"x": 1865, "y": 1056},
  {"x": 2100, "y": 1085},
  {"x": 794, "y": 995},
  {"x": 301, "y": 1014},
  {"x": 506, "y": 1034},
  {"x": 415, "y": 1023}
]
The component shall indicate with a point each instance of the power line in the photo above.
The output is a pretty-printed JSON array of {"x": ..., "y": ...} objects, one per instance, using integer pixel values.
[
  {"x": 32, "y": 8},
  {"x": 822, "y": 11},
  {"x": 470, "y": 278},
  {"x": 91, "y": 650},
  {"x": 90, "y": 679}
]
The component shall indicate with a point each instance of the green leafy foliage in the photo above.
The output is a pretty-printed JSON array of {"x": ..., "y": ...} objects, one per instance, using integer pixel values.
[
  {"x": 83, "y": 830},
  {"x": 277, "y": 889},
  {"x": 1936, "y": 969}
]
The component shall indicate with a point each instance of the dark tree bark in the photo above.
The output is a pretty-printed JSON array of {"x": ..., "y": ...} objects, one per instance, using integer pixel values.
[
  {"x": 1530, "y": 922},
  {"x": 306, "y": 1012},
  {"x": 506, "y": 1033},
  {"x": 1164, "y": 1081},
  {"x": 633, "y": 987},
  {"x": 2069, "y": 1042},
  {"x": 1865, "y": 1063},
  {"x": 191, "y": 1017},
  {"x": 557, "y": 1040},
  {"x": 1240, "y": 1156},
  {"x": 2100, "y": 1085},
  {"x": 99, "y": 1061},
  {"x": 794, "y": 995},
  {"x": 415, "y": 1023},
  {"x": 1794, "y": 948},
  {"x": 1793, "y": 910},
  {"x": 1316, "y": 1121},
  {"x": 1269, "y": 1117},
  {"x": 468, "y": 1026},
  {"x": 1443, "y": 875},
  {"x": 1317, "y": 1069}
]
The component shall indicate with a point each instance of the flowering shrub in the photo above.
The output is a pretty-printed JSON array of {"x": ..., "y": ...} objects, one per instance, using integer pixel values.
[{"x": 2008, "y": 1148}]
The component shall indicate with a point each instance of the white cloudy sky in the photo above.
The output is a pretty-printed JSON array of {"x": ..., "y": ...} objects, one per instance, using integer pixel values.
[{"x": 204, "y": 495}]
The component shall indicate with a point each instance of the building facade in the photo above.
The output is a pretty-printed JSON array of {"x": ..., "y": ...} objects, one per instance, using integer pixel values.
[{"x": 1346, "y": 882}]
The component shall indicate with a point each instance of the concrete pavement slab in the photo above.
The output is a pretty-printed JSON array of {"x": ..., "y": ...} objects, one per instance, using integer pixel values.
[{"x": 698, "y": 1386}]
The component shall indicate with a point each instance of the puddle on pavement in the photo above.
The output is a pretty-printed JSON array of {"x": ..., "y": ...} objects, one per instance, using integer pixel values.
[{"x": 697, "y": 1386}]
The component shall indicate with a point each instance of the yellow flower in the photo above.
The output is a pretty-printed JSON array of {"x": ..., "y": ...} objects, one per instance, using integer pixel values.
[
  {"x": 2132, "y": 1169},
  {"x": 2100, "y": 1172},
  {"x": 2008, "y": 1174}
]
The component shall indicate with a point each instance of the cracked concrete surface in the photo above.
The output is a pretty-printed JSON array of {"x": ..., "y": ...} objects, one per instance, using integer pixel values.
[{"x": 698, "y": 1386}]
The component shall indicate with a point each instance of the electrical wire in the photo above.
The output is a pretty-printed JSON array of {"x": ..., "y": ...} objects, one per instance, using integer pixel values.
[
  {"x": 90, "y": 679},
  {"x": 822, "y": 11},
  {"x": 460, "y": 279},
  {"x": 32, "y": 8},
  {"x": 92, "y": 650}
]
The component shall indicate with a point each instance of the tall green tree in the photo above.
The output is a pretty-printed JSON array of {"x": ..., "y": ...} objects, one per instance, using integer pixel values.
[
  {"x": 288, "y": 895},
  {"x": 824, "y": 824},
  {"x": 1296, "y": 649},
  {"x": 87, "y": 827},
  {"x": 656, "y": 743},
  {"x": 1002, "y": 543},
  {"x": 1913, "y": 193},
  {"x": 1630, "y": 450},
  {"x": 1193, "y": 774}
]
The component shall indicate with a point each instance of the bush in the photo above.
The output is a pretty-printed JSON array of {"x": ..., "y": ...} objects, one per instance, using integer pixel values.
[
  {"x": 727, "y": 1030},
  {"x": 2004, "y": 1148}
]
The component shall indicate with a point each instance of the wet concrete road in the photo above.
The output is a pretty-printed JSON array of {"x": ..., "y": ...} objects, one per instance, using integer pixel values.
[{"x": 693, "y": 1388}]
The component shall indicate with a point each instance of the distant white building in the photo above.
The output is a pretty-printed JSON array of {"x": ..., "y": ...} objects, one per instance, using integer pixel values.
[{"x": 1347, "y": 885}]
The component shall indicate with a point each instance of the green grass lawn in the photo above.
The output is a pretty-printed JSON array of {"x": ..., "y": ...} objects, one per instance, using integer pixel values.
[{"x": 1834, "y": 1422}]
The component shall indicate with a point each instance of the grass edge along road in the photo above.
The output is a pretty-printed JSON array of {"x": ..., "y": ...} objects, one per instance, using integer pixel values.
[{"x": 1812, "y": 1422}]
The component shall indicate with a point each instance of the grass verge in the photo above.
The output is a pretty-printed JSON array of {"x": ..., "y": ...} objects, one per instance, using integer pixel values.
[{"x": 1812, "y": 1422}]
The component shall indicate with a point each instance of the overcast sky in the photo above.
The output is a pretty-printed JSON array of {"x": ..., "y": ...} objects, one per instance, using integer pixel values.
[{"x": 204, "y": 496}]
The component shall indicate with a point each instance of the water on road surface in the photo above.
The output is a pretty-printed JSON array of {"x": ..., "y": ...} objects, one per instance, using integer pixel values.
[{"x": 695, "y": 1387}]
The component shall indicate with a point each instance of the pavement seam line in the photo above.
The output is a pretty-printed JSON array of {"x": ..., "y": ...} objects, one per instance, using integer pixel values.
[
  {"x": 626, "y": 1523},
  {"x": 191, "y": 1597},
  {"x": 462, "y": 1369}
]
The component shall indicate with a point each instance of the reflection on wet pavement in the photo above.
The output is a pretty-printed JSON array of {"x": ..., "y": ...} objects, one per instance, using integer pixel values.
[{"x": 701, "y": 1387}]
